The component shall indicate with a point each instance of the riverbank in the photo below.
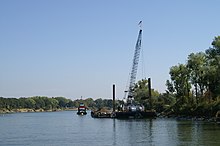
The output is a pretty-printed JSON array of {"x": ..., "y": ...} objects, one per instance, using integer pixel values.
[{"x": 26, "y": 110}]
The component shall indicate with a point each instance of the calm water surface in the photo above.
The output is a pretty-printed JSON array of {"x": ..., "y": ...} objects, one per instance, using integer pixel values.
[{"x": 68, "y": 129}]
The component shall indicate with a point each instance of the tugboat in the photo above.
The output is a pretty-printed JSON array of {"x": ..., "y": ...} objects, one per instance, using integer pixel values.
[{"x": 81, "y": 109}]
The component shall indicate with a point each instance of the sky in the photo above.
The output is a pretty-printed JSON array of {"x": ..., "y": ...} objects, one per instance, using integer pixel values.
[{"x": 77, "y": 49}]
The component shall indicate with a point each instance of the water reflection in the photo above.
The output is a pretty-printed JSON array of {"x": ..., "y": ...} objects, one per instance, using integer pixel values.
[
  {"x": 198, "y": 133},
  {"x": 132, "y": 132},
  {"x": 185, "y": 132},
  {"x": 67, "y": 128},
  {"x": 164, "y": 132},
  {"x": 114, "y": 134}
]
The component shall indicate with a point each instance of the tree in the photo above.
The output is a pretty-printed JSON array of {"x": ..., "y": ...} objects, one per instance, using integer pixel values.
[
  {"x": 12, "y": 103},
  {"x": 40, "y": 103},
  {"x": 62, "y": 101},
  {"x": 51, "y": 103},
  {"x": 213, "y": 55},
  {"x": 1, "y": 102},
  {"x": 90, "y": 102},
  {"x": 180, "y": 77},
  {"x": 196, "y": 64},
  {"x": 30, "y": 103},
  {"x": 141, "y": 94},
  {"x": 99, "y": 103},
  {"x": 71, "y": 104},
  {"x": 170, "y": 87},
  {"x": 108, "y": 103},
  {"x": 141, "y": 91}
]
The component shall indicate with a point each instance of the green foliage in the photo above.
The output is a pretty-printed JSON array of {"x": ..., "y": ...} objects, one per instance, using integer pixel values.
[
  {"x": 196, "y": 84},
  {"x": 141, "y": 91},
  {"x": 197, "y": 66},
  {"x": 62, "y": 102},
  {"x": 180, "y": 78},
  {"x": 141, "y": 94},
  {"x": 45, "y": 103},
  {"x": 30, "y": 103},
  {"x": 89, "y": 102},
  {"x": 40, "y": 103},
  {"x": 213, "y": 60},
  {"x": 201, "y": 72},
  {"x": 99, "y": 103},
  {"x": 170, "y": 87}
]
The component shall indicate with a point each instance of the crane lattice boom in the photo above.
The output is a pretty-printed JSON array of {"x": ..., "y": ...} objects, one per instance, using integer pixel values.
[{"x": 134, "y": 67}]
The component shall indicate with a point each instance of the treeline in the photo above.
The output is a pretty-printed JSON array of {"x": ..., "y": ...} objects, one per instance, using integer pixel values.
[
  {"x": 193, "y": 89},
  {"x": 54, "y": 103},
  {"x": 196, "y": 84}
]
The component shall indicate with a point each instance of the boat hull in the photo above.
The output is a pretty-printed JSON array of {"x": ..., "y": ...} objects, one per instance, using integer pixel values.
[
  {"x": 125, "y": 114},
  {"x": 81, "y": 113},
  {"x": 101, "y": 114},
  {"x": 135, "y": 115}
]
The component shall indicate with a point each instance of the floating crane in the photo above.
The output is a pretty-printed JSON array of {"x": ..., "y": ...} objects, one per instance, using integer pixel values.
[
  {"x": 134, "y": 67},
  {"x": 130, "y": 109}
]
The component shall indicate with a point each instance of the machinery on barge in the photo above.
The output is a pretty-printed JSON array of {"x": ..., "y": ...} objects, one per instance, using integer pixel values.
[{"x": 129, "y": 109}]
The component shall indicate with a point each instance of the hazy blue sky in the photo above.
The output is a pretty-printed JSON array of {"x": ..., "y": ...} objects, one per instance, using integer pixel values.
[{"x": 76, "y": 48}]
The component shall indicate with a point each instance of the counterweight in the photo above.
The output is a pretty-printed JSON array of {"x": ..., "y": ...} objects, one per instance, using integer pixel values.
[{"x": 134, "y": 67}]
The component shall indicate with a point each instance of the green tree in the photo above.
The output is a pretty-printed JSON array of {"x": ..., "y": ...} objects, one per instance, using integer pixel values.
[
  {"x": 108, "y": 103},
  {"x": 213, "y": 55},
  {"x": 63, "y": 102},
  {"x": 22, "y": 102},
  {"x": 70, "y": 103},
  {"x": 40, "y": 103},
  {"x": 141, "y": 91},
  {"x": 196, "y": 64},
  {"x": 50, "y": 103},
  {"x": 141, "y": 94},
  {"x": 99, "y": 103},
  {"x": 12, "y": 103},
  {"x": 30, "y": 103},
  {"x": 180, "y": 77},
  {"x": 3, "y": 103},
  {"x": 170, "y": 87},
  {"x": 90, "y": 102}
]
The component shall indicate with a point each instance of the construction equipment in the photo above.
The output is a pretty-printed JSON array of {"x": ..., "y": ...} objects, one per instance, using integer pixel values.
[
  {"x": 130, "y": 109},
  {"x": 134, "y": 67}
]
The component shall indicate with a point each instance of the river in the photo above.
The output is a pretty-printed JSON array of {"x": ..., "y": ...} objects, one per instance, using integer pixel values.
[{"x": 66, "y": 128}]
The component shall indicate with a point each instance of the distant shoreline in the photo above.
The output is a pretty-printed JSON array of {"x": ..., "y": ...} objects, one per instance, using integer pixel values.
[{"x": 27, "y": 110}]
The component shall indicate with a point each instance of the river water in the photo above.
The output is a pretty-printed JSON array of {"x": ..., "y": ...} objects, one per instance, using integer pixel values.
[{"x": 68, "y": 129}]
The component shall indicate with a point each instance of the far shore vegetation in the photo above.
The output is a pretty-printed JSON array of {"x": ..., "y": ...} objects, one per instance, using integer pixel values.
[
  {"x": 192, "y": 91},
  {"x": 43, "y": 103}
]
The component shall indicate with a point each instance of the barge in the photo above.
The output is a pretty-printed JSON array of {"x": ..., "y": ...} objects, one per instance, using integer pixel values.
[
  {"x": 129, "y": 109},
  {"x": 135, "y": 115},
  {"x": 101, "y": 113}
]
